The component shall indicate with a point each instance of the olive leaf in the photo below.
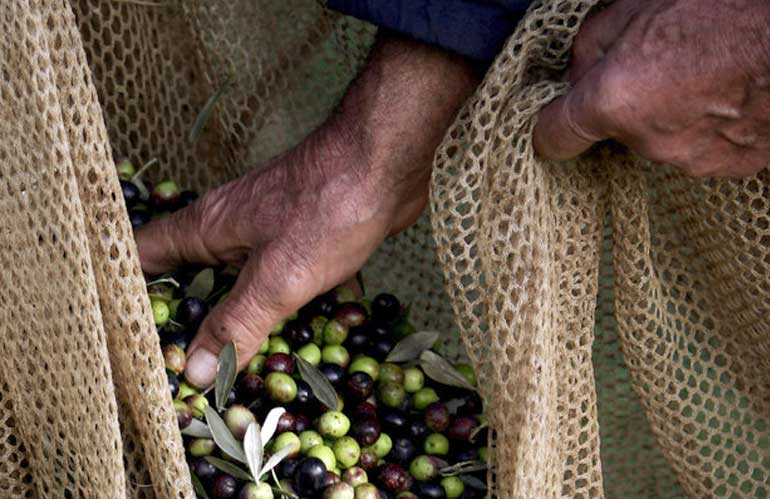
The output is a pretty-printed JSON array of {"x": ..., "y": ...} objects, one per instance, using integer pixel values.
[
  {"x": 201, "y": 285},
  {"x": 198, "y": 486},
  {"x": 197, "y": 429},
  {"x": 439, "y": 369},
  {"x": 227, "y": 372},
  {"x": 463, "y": 467},
  {"x": 222, "y": 436},
  {"x": 319, "y": 385},
  {"x": 360, "y": 281},
  {"x": 253, "y": 448},
  {"x": 164, "y": 280},
  {"x": 144, "y": 192},
  {"x": 454, "y": 404},
  {"x": 271, "y": 424},
  {"x": 284, "y": 493},
  {"x": 208, "y": 109},
  {"x": 278, "y": 457},
  {"x": 412, "y": 346},
  {"x": 228, "y": 468},
  {"x": 473, "y": 482}
]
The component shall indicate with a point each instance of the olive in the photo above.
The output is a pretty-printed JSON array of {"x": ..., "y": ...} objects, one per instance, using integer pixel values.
[
  {"x": 305, "y": 401},
  {"x": 386, "y": 307},
  {"x": 394, "y": 421},
  {"x": 203, "y": 470},
  {"x": 186, "y": 198},
  {"x": 277, "y": 344},
  {"x": 325, "y": 454},
  {"x": 332, "y": 478},
  {"x": 407, "y": 495},
  {"x": 287, "y": 422},
  {"x": 366, "y": 430},
  {"x": 190, "y": 312},
  {"x": 223, "y": 487},
  {"x": 380, "y": 349},
  {"x": 198, "y": 404},
  {"x": 358, "y": 340},
  {"x": 311, "y": 353},
  {"x": 355, "y": 476},
  {"x": 391, "y": 373},
  {"x": 334, "y": 373},
  {"x": 424, "y": 397},
  {"x": 201, "y": 447},
  {"x": 256, "y": 364},
  {"x": 185, "y": 390},
  {"x": 468, "y": 373},
  {"x": 125, "y": 169},
  {"x": 297, "y": 333},
  {"x": 160, "y": 311},
  {"x": 462, "y": 428},
  {"x": 179, "y": 338},
  {"x": 350, "y": 314},
  {"x": 173, "y": 384},
  {"x": 183, "y": 414},
  {"x": 437, "y": 416},
  {"x": 360, "y": 385},
  {"x": 382, "y": 445},
  {"x": 365, "y": 408},
  {"x": 436, "y": 444},
  {"x": 368, "y": 459},
  {"x": 323, "y": 304},
  {"x": 281, "y": 387},
  {"x": 394, "y": 478},
  {"x": 367, "y": 365},
  {"x": 472, "y": 404},
  {"x": 301, "y": 423},
  {"x": 453, "y": 487},
  {"x": 335, "y": 332},
  {"x": 309, "y": 439},
  {"x": 425, "y": 467},
  {"x": 366, "y": 491},
  {"x": 414, "y": 379},
  {"x": 392, "y": 394},
  {"x": 250, "y": 388},
  {"x": 238, "y": 418},
  {"x": 309, "y": 477},
  {"x": 286, "y": 468},
  {"x": 165, "y": 196},
  {"x": 279, "y": 362},
  {"x": 428, "y": 490},
  {"x": 333, "y": 424},
  {"x": 335, "y": 354},
  {"x": 347, "y": 451},
  {"x": 138, "y": 218},
  {"x": 131, "y": 194},
  {"x": 417, "y": 430},
  {"x": 403, "y": 451},
  {"x": 459, "y": 455},
  {"x": 287, "y": 439},
  {"x": 339, "y": 491}
]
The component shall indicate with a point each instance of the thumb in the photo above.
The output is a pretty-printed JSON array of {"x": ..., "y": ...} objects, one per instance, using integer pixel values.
[
  {"x": 574, "y": 122},
  {"x": 269, "y": 288}
]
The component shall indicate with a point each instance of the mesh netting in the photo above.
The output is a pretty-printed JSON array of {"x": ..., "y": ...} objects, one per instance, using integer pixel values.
[{"x": 657, "y": 388}]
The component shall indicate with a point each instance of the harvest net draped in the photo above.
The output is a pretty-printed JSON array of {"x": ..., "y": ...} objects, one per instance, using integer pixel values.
[{"x": 614, "y": 309}]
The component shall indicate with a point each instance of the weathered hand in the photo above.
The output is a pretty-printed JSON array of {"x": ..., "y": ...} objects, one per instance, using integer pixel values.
[
  {"x": 685, "y": 82},
  {"x": 309, "y": 219}
]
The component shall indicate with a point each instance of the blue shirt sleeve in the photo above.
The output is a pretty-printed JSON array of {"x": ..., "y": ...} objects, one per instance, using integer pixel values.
[{"x": 474, "y": 28}]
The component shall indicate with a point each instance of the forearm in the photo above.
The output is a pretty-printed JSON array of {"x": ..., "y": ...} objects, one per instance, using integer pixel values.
[{"x": 389, "y": 124}]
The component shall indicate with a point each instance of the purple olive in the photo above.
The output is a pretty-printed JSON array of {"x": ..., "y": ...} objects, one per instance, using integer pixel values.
[
  {"x": 437, "y": 416},
  {"x": 394, "y": 478},
  {"x": 279, "y": 362},
  {"x": 366, "y": 430}
]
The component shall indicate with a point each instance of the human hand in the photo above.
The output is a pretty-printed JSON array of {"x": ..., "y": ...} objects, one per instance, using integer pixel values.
[
  {"x": 309, "y": 219},
  {"x": 685, "y": 82}
]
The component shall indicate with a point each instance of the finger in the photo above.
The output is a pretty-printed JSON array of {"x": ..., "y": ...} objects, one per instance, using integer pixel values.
[
  {"x": 167, "y": 242},
  {"x": 597, "y": 34},
  {"x": 571, "y": 124},
  {"x": 271, "y": 286}
]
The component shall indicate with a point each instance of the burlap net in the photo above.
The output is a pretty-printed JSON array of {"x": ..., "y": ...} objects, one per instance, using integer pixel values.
[{"x": 613, "y": 308}]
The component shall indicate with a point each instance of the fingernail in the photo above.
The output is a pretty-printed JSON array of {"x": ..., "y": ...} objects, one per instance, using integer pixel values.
[{"x": 201, "y": 367}]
